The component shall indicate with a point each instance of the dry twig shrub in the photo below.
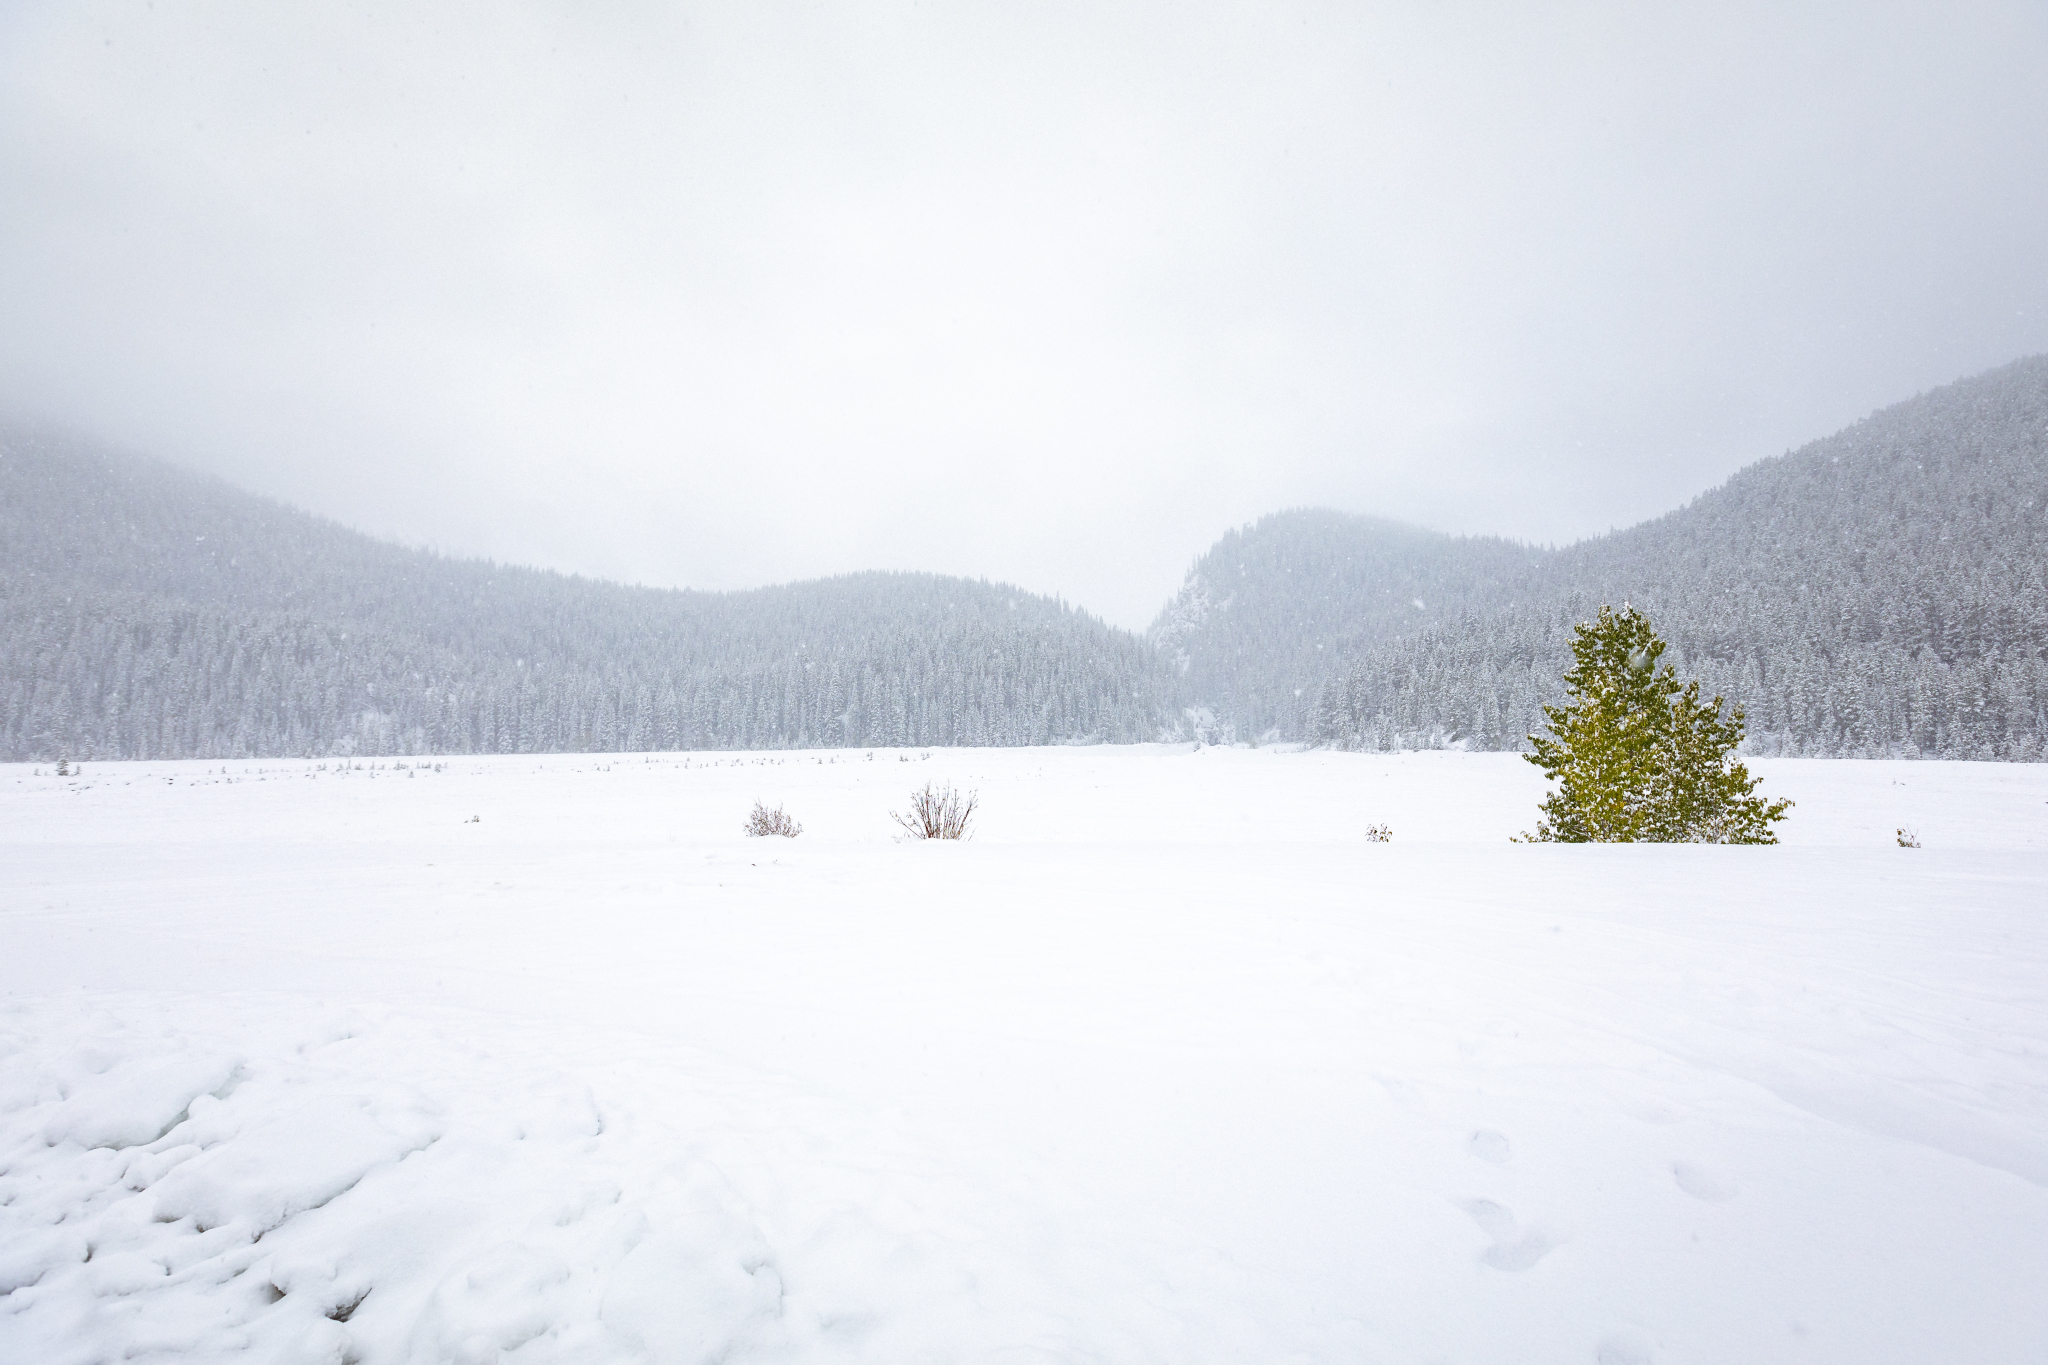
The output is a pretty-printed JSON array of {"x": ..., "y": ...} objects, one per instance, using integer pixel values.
[
  {"x": 937, "y": 813},
  {"x": 765, "y": 821}
]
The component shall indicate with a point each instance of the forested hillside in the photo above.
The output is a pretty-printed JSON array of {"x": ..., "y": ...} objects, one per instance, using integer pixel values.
[
  {"x": 1882, "y": 591},
  {"x": 1266, "y": 615},
  {"x": 145, "y": 611}
]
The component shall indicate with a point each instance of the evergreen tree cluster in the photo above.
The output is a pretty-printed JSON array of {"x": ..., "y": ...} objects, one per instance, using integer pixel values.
[
  {"x": 146, "y": 612},
  {"x": 1881, "y": 592}
]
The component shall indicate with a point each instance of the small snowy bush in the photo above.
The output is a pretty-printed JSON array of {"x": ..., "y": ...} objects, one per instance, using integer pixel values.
[
  {"x": 764, "y": 822},
  {"x": 1379, "y": 834},
  {"x": 1907, "y": 838},
  {"x": 937, "y": 813}
]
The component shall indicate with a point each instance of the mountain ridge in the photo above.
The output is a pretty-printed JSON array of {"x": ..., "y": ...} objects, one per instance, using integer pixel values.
[
  {"x": 147, "y": 611},
  {"x": 1251, "y": 645},
  {"x": 1880, "y": 590}
]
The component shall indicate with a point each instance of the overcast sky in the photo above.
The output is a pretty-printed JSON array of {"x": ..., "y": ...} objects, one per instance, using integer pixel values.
[{"x": 721, "y": 295}]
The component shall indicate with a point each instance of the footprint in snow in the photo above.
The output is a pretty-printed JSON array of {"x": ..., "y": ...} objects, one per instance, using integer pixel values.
[
  {"x": 1654, "y": 1111},
  {"x": 1513, "y": 1248},
  {"x": 1625, "y": 1348},
  {"x": 1701, "y": 1183},
  {"x": 1488, "y": 1145}
]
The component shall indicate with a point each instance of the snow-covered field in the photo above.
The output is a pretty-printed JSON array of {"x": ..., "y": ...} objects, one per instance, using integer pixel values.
[{"x": 539, "y": 1060}]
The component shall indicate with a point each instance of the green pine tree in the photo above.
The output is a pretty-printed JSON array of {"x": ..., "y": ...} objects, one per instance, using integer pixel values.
[{"x": 1637, "y": 757}]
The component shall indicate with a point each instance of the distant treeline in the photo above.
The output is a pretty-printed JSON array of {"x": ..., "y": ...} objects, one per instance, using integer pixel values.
[
  {"x": 149, "y": 613},
  {"x": 1880, "y": 592},
  {"x": 137, "y": 679},
  {"x": 1483, "y": 683}
]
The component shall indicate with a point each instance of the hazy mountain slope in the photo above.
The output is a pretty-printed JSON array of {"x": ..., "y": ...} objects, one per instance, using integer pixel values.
[
  {"x": 1266, "y": 616},
  {"x": 1882, "y": 590},
  {"x": 145, "y": 611}
]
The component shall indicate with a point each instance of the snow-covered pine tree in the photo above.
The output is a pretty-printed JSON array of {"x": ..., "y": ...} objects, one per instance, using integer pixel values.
[{"x": 1637, "y": 757}]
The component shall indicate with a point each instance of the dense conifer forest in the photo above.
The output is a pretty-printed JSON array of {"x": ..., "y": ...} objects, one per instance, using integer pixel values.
[
  {"x": 1882, "y": 591},
  {"x": 1269, "y": 613},
  {"x": 147, "y": 612}
]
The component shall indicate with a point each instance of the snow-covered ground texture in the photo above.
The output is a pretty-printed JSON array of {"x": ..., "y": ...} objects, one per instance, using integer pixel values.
[{"x": 540, "y": 1060}]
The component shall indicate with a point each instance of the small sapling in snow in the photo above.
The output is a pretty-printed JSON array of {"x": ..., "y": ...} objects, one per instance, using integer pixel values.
[
  {"x": 937, "y": 813},
  {"x": 764, "y": 822},
  {"x": 1637, "y": 756}
]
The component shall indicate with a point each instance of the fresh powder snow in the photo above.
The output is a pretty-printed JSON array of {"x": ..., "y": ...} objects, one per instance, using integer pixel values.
[{"x": 539, "y": 1059}]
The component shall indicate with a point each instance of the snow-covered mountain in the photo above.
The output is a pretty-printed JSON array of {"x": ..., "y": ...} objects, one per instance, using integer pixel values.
[
  {"x": 1882, "y": 591},
  {"x": 150, "y": 612},
  {"x": 1265, "y": 617}
]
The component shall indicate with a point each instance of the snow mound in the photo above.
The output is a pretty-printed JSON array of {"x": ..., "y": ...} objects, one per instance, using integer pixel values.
[{"x": 295, "y": 1195}]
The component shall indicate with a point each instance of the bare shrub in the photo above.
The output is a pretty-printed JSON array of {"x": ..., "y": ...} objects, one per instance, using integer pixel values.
[
  {"x": 937, "y": 813},
  {"x": 765, "y": 822},
  {"x": 1908, "y": 838},
  {"x": 1379, "y": 834}
]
